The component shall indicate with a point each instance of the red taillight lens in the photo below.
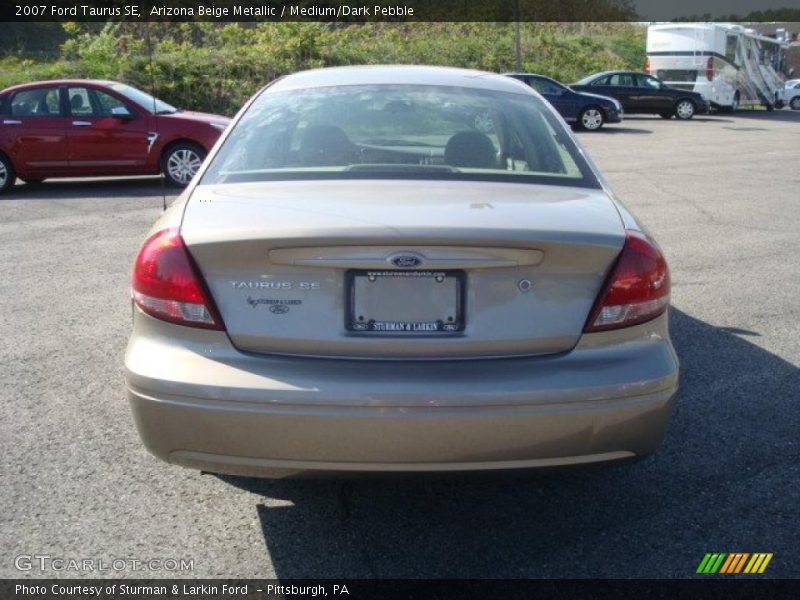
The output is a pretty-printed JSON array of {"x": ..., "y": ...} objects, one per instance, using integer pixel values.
[
  {"x": 168, "y": 286},
  {"x": 710, "y": 68},
  {"x": 637, "y": 289},
  {"x": 647, "y": 66}
]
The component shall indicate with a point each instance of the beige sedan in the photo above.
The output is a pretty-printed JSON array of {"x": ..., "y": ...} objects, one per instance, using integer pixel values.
[{"x": 399, "y": 269}]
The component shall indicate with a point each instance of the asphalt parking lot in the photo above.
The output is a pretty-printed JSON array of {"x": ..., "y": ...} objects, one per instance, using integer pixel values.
[{"x": 722, "y": 196}]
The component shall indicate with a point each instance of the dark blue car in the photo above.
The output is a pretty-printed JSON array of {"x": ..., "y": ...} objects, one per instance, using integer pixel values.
[{"x": 587, "y": 111}]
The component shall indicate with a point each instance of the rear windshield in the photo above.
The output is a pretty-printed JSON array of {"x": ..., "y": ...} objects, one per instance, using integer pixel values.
[
  {"x": 399, "y": 132},
  {"x": 688, "y": 76},
  {"x": 143, "y": 99}
]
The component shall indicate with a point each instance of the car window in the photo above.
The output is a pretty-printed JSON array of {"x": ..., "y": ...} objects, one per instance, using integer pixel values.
[
  {"x": 545, "y": 86},
  {"x": 80, "y": 105},
  {"x": 143, "y": 99},
  {"x": 678, "y": 75},
  {"x": 39, "y": 102},
  {"x": 601, "y": 81},
  {"x": 621, "y": 80},
  {"x": 648, "y": 82},
  {"x": 731, "y": 43},
  {"x": 109, "y": 105},
  {"x": 399, "y": 132}
]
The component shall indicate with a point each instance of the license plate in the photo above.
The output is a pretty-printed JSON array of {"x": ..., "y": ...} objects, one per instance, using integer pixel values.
[{"x": 406, "y": 302}]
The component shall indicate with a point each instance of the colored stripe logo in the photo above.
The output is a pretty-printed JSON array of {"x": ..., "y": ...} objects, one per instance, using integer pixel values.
[{"x": 735, "y": 562}]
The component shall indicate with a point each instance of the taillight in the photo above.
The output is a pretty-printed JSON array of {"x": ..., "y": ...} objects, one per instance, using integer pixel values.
[
  {"x": 710, "y": 68},
  {"x": 167, "y": 285},
  {"x": 647, "y": 66},
  {"x": 637, "y": 289}
]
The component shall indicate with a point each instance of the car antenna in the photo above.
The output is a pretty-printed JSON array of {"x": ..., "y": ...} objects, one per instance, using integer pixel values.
[{"x": 155, "y": 113}]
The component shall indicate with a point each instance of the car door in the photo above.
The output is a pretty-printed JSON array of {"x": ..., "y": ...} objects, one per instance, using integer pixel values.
[
  {"x": 622, "y": 86},
  {"x": 34, "y": 132},
  {"x": 106, "y": 136},
  {"x": 793, "y": 92},
  {"x": 651, "y": 95},
  {"x": 556, "y": 95}
]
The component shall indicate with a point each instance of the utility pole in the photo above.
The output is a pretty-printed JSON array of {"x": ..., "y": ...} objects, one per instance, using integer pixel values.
[{"x": 517, "y": 44}]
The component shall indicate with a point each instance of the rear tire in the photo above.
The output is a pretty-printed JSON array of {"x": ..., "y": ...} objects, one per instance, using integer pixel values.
[
  {"x": 794, "y": 103},
  {"x": 7, "y": 174},
  {"x": 180, "y": 163},
  {"x": 685, "y": 109},
  {"x": 591, "y": 118}
]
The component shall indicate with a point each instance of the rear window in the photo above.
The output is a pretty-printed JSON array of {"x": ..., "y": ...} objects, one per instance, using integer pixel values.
[
  {"x": 620, "y": 80},
  {"x": 39, "y": 102},
  {"x": 678, "y": 75},
  {"x": 143, "y": 99},
  {"x": 545, "y": 86},
  {"x": 399, "y": 132}
]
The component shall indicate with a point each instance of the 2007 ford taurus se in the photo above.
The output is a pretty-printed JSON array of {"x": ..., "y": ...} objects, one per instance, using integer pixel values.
[{"x": 399, "y": 269}]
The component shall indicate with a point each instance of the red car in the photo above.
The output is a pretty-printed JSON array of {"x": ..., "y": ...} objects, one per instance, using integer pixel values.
[{"x": 82, "y": 128}]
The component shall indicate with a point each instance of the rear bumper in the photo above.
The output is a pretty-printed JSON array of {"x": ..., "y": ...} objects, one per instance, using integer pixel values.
[{"x": 200, "y": 403}]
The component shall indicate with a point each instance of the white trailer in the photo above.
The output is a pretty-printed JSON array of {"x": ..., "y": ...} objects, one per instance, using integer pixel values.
[{"x": 726, "y": 63}]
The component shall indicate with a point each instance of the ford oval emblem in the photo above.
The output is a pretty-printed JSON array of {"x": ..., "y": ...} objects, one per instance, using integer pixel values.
[
  {"x": 406, "y": 261},
  {"x": 279, "y": 309}
]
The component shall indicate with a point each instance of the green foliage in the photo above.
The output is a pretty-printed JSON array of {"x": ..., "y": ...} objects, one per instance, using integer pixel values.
[
  {"x": 216, "y": 67},
  {"x": 631, "y": 50}
]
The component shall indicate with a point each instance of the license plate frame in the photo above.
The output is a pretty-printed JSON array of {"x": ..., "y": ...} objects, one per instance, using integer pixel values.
[{"x": 364, "y": 324}]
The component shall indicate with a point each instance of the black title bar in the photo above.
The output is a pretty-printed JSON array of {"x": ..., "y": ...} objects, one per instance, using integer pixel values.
[{"x": 396, "y": 10}]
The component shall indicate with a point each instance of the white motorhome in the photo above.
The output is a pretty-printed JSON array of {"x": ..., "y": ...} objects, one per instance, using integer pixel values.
[{"x": 726, "y": 63}]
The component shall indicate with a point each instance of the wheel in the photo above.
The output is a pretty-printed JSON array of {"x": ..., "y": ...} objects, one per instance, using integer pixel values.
[
  {"x": 794, "y": 103},
  {"x": 7, "y": 174},
  {"x": 684, "y": 109},
  {"x": 591, "y": 118},
  {"x": 32, "y": 181},
  {"x": 181, "y": 162},
  {"x": 665, "y": 115}
]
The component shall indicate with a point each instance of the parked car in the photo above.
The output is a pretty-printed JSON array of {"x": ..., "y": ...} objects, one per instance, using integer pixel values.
[
  {"x": 791, "y": 94},
  {"x": 361, "y": 279},
  {"x": 86, "y": 128},
  {"x": 587, "y": 111},
  {"x": 643, "y": 93}
]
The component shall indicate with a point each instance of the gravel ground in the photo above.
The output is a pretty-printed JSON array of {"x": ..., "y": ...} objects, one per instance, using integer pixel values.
[{"x": 721, "y": 196}]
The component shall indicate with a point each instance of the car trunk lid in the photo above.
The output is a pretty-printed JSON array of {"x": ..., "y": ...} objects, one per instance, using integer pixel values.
[{"x": 515, "y": 267}]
